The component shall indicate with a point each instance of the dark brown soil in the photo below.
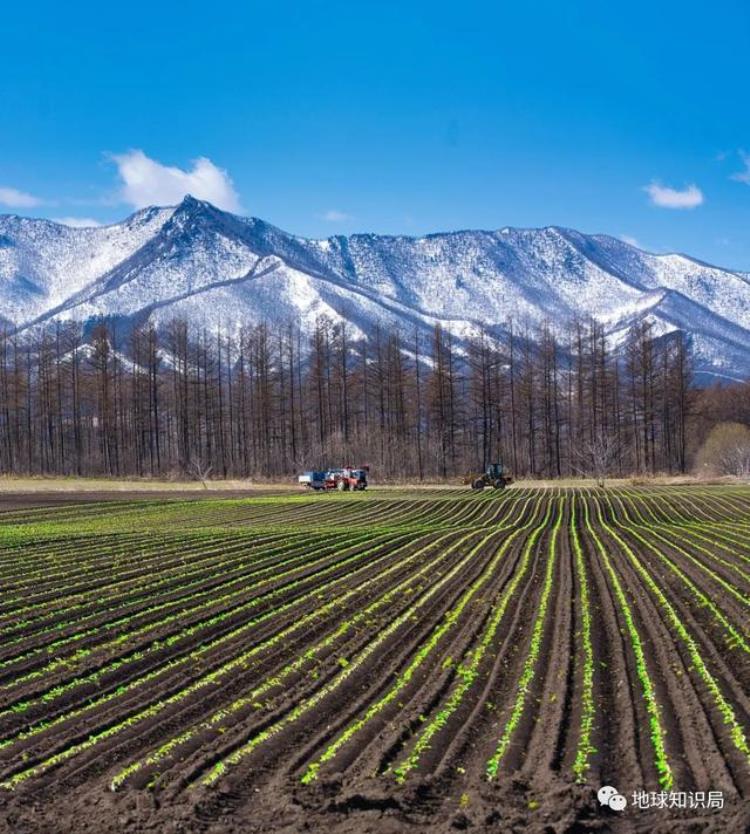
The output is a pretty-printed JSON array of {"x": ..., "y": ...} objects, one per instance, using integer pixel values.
[{"x": 365, "y": 630}]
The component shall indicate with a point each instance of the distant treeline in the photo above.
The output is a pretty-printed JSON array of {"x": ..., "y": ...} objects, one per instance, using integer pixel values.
[{"x": 270, "y": 401}]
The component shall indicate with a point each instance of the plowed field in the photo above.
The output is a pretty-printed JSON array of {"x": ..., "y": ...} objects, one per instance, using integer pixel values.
[{"x": 425, "y": 660}]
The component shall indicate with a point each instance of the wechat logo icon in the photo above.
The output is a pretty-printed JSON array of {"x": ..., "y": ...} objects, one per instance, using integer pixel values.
[{"x": 609, "y": 796}]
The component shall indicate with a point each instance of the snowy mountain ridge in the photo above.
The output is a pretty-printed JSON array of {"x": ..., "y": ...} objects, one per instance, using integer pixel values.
[{"x": 219, "y": 269}]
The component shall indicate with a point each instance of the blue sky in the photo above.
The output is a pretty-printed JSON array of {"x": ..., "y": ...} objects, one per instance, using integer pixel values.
[{"x": 329, "y": 118}]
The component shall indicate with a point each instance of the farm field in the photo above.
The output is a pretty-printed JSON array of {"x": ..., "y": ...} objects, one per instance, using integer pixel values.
[{"x": 431, "y": 660}]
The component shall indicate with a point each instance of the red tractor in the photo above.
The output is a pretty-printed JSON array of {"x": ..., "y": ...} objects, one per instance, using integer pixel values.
[{"x": 347, "y": 479}]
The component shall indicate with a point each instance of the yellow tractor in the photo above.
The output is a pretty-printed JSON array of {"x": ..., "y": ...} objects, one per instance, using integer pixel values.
[{"x": 493, "y": 476}]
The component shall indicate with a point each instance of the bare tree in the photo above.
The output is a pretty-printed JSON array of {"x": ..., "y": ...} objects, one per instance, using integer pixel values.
[
  {"x": 597, "y": 456},
  {"x": 200, "y": 470}
]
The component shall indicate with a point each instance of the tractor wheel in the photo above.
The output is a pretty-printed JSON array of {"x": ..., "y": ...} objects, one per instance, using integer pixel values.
[
  {"x": 478, "y": 483},
  {"x": 499, "y": 484},
  {"x": 342, "y": 486}
]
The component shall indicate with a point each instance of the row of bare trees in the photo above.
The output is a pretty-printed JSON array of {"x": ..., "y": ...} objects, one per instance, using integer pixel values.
[{"x": 267, "y": 401}]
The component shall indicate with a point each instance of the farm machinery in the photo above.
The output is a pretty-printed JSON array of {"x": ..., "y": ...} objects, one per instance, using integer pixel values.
[
  {"x": 494, "y": 475},
  {"x": 343, "y": 480}
]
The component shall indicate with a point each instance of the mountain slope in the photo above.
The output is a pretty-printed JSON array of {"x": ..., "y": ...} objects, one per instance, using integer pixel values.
[
  {"x": 43, "y": 263},
  {"x": 214, "y": 268}
]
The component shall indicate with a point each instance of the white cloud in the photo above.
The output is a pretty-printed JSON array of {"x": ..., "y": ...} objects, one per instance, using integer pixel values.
[
  {"x": 665, "y": 197},
  {"x": 146, "y": 182},
  {"x": 19, "y": 199},
  {"x": 743, "y": 176},
  {"x": 631, "y": 241},
  {"x": 336, "y": 216},
  {"x": 77, "y": 222}
]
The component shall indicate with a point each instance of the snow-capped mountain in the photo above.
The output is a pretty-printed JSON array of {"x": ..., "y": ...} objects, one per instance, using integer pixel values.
[{"x": 198, "y": 262}]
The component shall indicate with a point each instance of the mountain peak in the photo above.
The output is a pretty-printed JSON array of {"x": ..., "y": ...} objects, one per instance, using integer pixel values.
[
  {"x": 193, "y": 204},
  {"x": 189, "y": 201}
]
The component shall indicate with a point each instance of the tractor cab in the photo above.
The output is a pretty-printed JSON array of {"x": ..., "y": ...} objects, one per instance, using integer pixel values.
[{"x": 495, "y": 471}]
